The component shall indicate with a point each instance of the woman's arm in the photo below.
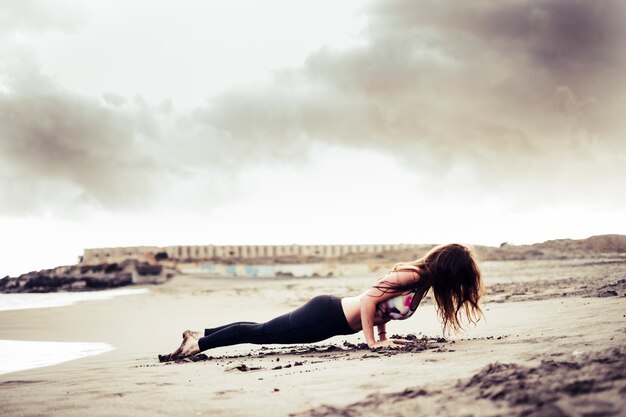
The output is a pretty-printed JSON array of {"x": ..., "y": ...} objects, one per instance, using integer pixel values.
[
  {"x": 368, "y": 309},
  {"x": 382, "y": 332},
  {"x": 376, "y": 295}
]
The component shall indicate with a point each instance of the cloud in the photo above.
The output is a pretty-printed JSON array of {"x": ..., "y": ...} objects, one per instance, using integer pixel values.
[
  {"x": 38, "y": 16},
  {"x": 62, "y": 152},
  {"x": 513, "y": 93},
  {"x": 55, "y": 145},
  {"x": 516, "y": 99}
]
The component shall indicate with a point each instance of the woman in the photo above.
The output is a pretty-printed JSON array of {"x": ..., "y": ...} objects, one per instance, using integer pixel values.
[{"x": 450, "y": 271}]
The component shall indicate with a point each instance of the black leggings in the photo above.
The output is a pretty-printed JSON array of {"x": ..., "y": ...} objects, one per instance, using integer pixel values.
[{"x": 320, "y": 318}]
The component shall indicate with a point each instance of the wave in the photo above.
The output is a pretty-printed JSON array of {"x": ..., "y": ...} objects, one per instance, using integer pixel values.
[
  {"x": 19, "y": 355},
  {"x": 60, "y": 299}
]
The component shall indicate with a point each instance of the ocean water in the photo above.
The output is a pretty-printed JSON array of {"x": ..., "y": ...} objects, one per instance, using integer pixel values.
[
  {"x": 60, "y": 299},
  {"x": 19, "y": 355}
]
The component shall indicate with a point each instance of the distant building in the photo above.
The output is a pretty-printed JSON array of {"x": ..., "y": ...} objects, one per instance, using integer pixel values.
[
  {"x": 110, "y": 255},
  {"x": 234, "y": 252}
]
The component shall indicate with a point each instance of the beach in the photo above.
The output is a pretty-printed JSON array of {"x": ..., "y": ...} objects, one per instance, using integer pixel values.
[{"x": 552, "y": 344}]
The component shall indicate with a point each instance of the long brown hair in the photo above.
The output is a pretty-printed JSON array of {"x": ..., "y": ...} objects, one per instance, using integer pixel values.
[{"x": 454, "y": 276}]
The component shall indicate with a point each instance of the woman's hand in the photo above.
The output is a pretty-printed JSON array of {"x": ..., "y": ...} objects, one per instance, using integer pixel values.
[{"x": 390, "y": 343}]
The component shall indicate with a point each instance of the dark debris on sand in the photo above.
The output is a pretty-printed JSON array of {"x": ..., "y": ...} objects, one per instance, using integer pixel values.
[
  {"x": 605, "y": 285},
  {"x": 414, "y": 345},
  {"x": 558, "y": 387},
  {"x": 592, "y": 384},
  {"x": 197, "y": 358}
]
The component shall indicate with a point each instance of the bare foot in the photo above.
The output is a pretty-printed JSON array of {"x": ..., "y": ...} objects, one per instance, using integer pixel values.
[
  {"x": 188, "y": 348},
  {"x": 192, "y": 333}
]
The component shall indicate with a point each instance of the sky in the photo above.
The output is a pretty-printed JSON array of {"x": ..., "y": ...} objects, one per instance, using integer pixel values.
[{"x": 277, "y": 122}]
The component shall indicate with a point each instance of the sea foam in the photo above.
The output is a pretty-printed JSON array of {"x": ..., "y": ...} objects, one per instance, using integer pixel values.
[
  {"x": 19, "y": 355},
  {"x": 60, "y": 299}
]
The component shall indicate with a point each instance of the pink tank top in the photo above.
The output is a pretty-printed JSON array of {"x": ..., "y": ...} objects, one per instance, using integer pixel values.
[{"x": 396, "y": 308}]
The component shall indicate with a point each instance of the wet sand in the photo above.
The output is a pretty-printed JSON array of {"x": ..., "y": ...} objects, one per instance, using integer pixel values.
[{"x": 551, "y": 345}]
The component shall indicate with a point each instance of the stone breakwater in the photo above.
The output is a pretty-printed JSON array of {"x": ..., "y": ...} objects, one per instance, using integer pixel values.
[{"x": 87, "y": 277}]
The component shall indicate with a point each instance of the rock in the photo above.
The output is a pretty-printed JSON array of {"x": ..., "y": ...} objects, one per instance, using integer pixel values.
[
  {"x": 147, "y": 269},
  {"x": 548, "y": 410},
  {"x": 78, "y": 285}
]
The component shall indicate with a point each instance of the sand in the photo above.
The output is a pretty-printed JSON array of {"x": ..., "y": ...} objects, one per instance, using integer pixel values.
[{"x": 552, "y": 345}]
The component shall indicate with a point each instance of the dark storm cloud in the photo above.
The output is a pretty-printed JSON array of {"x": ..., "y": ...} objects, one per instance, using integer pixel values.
[
  {"x": 56, "y": 146},
  {"x": 61, "y": 152},
  {"x": 521, "y": 98},
  {"x": 507, "y": 90}
]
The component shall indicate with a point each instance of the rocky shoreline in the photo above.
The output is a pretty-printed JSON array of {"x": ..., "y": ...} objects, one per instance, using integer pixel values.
[{"x": 86, "y": 277}]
